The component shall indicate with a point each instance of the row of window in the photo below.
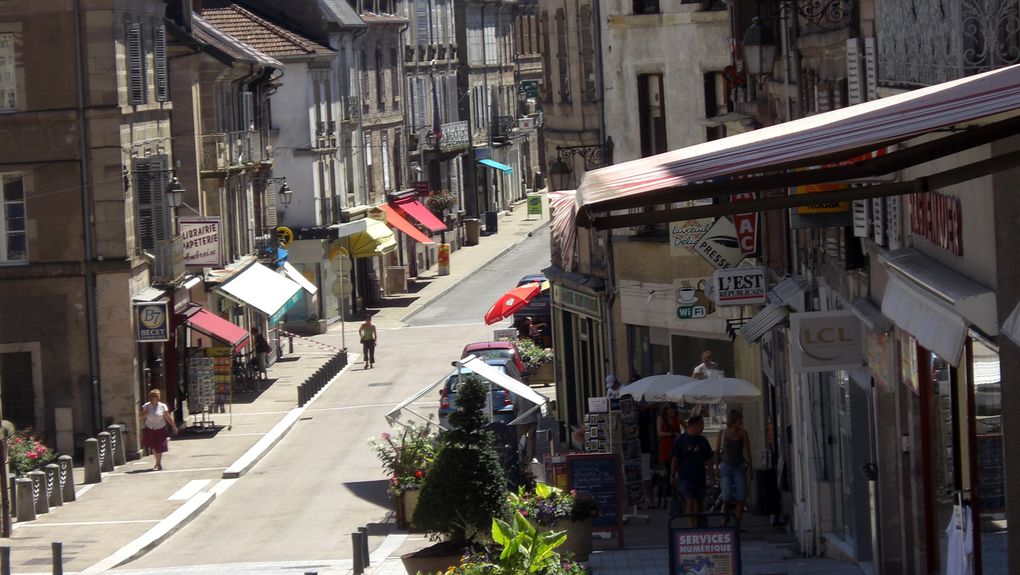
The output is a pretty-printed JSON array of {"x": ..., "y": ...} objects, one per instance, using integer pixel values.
[
  {"x": 373, "y": 80},
  {"x": 13, "y": 238},
  {"x": 586, "y": 63}
]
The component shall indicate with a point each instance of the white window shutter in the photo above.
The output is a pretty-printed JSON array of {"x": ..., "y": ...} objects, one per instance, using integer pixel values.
[
  {"x": 137, "y": 85},
  {"x": 871, "y": 67},
  {"x": 853, "y": 71},
  {"x": 269, "y": 201},
  {"x": 421, "y": 21},
  {"x": 8, "y": 88},
  {"x": 159, "y": 57},
  {"x": 452, "y": 114},
  {"x": 385, "y": 160},
  {"x": 247, "y": 111}
]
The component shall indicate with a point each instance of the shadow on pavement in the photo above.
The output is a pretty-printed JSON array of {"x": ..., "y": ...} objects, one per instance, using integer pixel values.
[
  {"x": 393, "y": 301},
  {"x": 371, "y": 491},
  {"x": 190, "y": 433}
]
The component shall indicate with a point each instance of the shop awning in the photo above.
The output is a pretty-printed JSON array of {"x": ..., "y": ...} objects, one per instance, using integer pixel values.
[
  {"x": 149, "y": 294},
  {"x": 522, "y": 390},
  {"x": 299, "y": 278},
  {"x": 497, "y": 166},
  {"x": 768, "y": 317},
  {"x": 263, "y": 289},
  {"x": 397, "y": 220},
  {"x": 871, "y": 316},
  {"x": 969, "y": 299},
  {"x": 375, "y": 240},
  {"x": 934, "y": 325},
  {"x": 419, "y": 212},
  {"x": 563, "y": 207},
  {"x": 215, "y": 326},
  {"x": 984, "y": 106},
  {"x": 1011, "y": 328}
]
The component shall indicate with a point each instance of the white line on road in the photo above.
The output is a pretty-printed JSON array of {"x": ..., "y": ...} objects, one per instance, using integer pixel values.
[
  {"x": 118, "y": 474},
  {"x": 84, "y": 489},
  {"x": 349, "y": 407},
  {"x": 190, "y": 488},
  {"x": 84, "y": 523}
]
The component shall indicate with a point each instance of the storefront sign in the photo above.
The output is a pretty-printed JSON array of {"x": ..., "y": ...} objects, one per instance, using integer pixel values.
[
  {"x": 740, "y": 286},
  {"x": 201, "y": 241},
  {"x": 938, "y": 218},
  {"x": 683, "y": 236},
  {"x": 691, "y": 300},
  {"x": 908, "y": 362},
  {"x": 880, "y": 358},
  {"x": 822, "y": 208},
  {"x": 421, "y": 187},
  {"x": 152, "y": 321},
  {"x": 705, "y": 551},
  {"x": 577, "y": 302},
  {"x": 747, "y": 225},
  {"x": 285, "y": 235},
  {"x": 826, "y": 341},
  {"x": 719, "y": 245}
]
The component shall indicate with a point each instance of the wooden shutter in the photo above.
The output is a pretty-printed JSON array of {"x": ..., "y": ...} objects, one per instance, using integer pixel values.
[
  {"x": 269, "y": 201},
  {"x": 562, "y": 57},
  {"x": 138, "y": 92},
  {"x": 871, "y": 68},
  {"x": 247, "y": 111},
  {"x": 151, "y": 177},
  {"x": 421, "y": 21},
  {"x": 452, "y": 113},
  {"x": 587, "y": 55},
  {"x": 159, "y": 56}
]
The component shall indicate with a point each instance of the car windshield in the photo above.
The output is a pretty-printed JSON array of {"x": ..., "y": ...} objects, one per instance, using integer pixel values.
[
  {"x": 453, "y": 381},
  {"x": 502, "y": 353}
]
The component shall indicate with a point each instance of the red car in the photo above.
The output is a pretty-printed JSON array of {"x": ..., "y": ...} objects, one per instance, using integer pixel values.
[{"x": 495, "y": 350}]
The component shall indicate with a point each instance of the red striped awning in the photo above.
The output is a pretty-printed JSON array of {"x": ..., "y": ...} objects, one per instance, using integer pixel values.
[
  {"x": 397, "y": 220},
  {"x": 563, "y": 207},
  {"x": 835, "y": 135},
  {"x": 421, "y": 214},
  {"x": 215, "y": 326}
]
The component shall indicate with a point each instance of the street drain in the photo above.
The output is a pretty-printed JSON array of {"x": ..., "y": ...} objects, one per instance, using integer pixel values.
[
  {"x": 380, "y": 384},
  {"x": 305, "y": 418}
]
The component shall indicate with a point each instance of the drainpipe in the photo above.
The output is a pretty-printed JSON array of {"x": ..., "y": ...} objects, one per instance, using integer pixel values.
[
  {"x": 600, "y": 88},
  {"x": 489, "y": 201},
  {"x": 86, "y": 210},
  {"x": 611, "y": 293}
]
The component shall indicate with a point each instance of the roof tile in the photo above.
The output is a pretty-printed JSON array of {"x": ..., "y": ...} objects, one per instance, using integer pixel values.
[{"x": 258, "y": 32}]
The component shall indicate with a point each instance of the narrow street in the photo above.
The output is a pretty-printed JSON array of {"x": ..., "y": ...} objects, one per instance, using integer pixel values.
[{"x": 322, "y": 481}]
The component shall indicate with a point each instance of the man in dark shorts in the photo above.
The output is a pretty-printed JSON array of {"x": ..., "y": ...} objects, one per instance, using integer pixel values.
[{"x": 691, "y": 458}]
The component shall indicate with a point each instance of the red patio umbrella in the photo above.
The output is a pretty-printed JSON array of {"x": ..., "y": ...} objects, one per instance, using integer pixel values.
[{"x": 512, "y": 301}]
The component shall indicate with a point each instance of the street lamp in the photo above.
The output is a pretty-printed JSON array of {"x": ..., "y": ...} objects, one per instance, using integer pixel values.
[
  {"x": 759, "y": 49},
  {"x": 174, "y": 193},
  {"x": 285, "y": 194}
]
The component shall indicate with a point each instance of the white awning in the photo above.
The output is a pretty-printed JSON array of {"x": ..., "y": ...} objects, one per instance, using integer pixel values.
[
  {"x": 299, "y": 278},
  {"x": 350, "y": 228},
  {"x": 770, "y": 316},
  {"x": 870, "y": 315},
  {"x": 936, "y": 326},
  {"x": 263, "y": 289},
  {"x": 522, "y": 390},
  {"x": 969, "y": 299},
  {"x": 149, "y": 294},
  {"x": 1011, "y": 328}
]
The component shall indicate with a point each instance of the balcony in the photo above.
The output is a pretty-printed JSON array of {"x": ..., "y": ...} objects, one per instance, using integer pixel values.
[
  {"x": 501, "y": 128},
  {"x": 455, "y": 137},
  {"x": 222, "y": 153},
  {"x": 325, "y": 137},
  {"x": 352, "y": 109}
]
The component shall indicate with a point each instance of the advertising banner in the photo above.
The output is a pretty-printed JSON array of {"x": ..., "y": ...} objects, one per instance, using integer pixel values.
[
  {"x": 443, "y": 257},
  {"x": 152, "y": 321},
  {"x": 704, "y": 551}
]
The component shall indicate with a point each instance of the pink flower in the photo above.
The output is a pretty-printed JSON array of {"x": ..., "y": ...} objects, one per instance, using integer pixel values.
[
  {"x": 41, "y": 449},
  {"x": 32, "y": 455},
  {"x": 386, "y": 436},
  {"x": 394, "y": 480}
]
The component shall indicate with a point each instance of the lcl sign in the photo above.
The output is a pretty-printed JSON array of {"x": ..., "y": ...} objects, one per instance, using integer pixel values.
[{"x": 826, "y": 341}]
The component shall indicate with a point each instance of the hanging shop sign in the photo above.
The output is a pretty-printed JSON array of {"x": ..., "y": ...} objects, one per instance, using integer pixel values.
[
  {"x": 719, "y": 245},
  {"x": 740, "y": 286},
  {"x": 577, "y": 302},
  {"x": 285, "y": 235},
  {"x": 201, "y": 237},
  {"x": 691, "y": 300},
  {"x": 747, "y": 225},
  {"x": 825, "y": 207},
  {"x": 683, "y": 236},
  {"x": 826, "y": 341},
  {"x": 938, "y": 218},
  {"x": 152, "y": 321}
]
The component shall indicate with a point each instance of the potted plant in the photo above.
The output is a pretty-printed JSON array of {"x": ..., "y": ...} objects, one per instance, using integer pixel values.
[
  {"x": 538, "y": 366},
  {"x": 464, "y": 489},
  {"x": 316, "y": 325},
  {"x": 26, "y": 453},
  {"x": 406, "y": 456},
  {"x": 523, "y": 549},
  {"x": 441, "y": 201},
  {"x": 549, "y": 507}
]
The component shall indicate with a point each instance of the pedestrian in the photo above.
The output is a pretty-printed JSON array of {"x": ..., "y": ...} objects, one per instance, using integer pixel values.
[
  {"x": 262, "y": 350},
  {"x": 734, "y": 448},
  {"x": 369, "y": 337},
  {"x": 707, "y": 368},
  {"x": 535, "y": 332},
  {"x": 155, "y": 417},
  {"x": 691, "y": 459},
  {"x": 668, "y": 426}
]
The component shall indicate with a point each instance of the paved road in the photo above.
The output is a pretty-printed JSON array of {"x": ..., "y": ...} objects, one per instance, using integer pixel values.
[{"x": 296, "y": 508}]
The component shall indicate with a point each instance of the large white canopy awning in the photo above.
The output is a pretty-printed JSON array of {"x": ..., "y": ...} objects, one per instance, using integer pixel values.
[
  {"x": 935, "y": 326},
  {"x": 263, "y": 289},
  {"x": 299, "y": 278},
  {"x": 522, "y": 390}
]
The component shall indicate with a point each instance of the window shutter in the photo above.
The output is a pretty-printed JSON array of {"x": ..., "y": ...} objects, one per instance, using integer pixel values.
[
  {"x": 137, "y": 85},
  {"x": 871, "y": 68},
  {"x": 421, "y": 21},
  {"x": 247, "y": 111},
  {"x": 452, "y": 114},
  {"x": 151, "y": 178},
  {"x": 853, "y": 71},
  {"x": 269, "y": 200},
  {"x": 587, "y": 55},
  {"x": 159, "y": 55},
  {"x": 455, "y": 180},
  {"x": 562, "y": 58},
  {"x": 385, "y": 160},
  {"x": 8, "y": 91}
]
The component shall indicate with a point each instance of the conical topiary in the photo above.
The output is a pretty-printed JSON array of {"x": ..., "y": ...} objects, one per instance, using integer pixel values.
[{"x": 465, "y": 487}]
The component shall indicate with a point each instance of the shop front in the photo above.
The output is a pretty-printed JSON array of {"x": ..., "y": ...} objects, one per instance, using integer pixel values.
[{"x": 579, "y": 338}]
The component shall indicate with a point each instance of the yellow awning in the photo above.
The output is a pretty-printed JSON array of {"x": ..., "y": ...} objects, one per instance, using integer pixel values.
[{"x": 377, "y": 239}]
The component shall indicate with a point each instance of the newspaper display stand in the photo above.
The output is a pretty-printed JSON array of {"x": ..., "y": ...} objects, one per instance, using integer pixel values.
[{"x": 704, "y": 550}]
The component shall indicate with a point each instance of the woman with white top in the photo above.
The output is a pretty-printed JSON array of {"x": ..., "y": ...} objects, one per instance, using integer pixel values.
[{"x": 155, "y": 417}]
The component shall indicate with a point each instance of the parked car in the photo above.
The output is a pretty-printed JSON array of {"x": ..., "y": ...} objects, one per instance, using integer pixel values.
[
  {"x": 539, "y": 308},
  {"x": 495, "y": 350},
  {"x": 504, "y": 403}
]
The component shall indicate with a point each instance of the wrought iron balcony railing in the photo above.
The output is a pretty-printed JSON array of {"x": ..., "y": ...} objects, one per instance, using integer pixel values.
[{"x": 222, "y": 152}]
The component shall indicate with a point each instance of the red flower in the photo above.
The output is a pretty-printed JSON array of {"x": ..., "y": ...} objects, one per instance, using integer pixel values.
[
  {"x": 41, "y": 449},
  {"x": 419, "y": 474},
  {"x": 32, "y": 455}
]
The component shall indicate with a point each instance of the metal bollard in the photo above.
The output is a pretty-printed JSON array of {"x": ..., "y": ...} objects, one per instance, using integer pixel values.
[
  {"x": 359, "y": 562},
  {"x": 301, "y": 395},
  {"x": 42, "y": 505},
  {"x": 5, "y": 560},
  {"x": 364, "y": 546},
  {"x": 117, "y": 439},
  {"x": 26, "y": 504},
  {"x": 105, "y": 451},
  {"x": 290, "y": 344},
  {"x": 66, "y": 476},
  {"x": 92, "y": 471},
  {"x": 58, "y": 557},
  {"x": 53, "y": 493}
]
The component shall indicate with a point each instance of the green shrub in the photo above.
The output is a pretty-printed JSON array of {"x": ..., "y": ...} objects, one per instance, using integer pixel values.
[{"x": 465, "y": 489}]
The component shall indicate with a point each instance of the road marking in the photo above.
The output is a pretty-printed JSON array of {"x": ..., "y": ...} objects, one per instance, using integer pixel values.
[
  {"x": 84, "y": 489},
  {"x": 190, "y": 488},
  {"x": 118, "y": 473},
  {"x": 350, "y": 407},
  {"x": 221, "y": 486},
  {"x": 84, "y": 523},
  {"x": 242, "y": 434}
]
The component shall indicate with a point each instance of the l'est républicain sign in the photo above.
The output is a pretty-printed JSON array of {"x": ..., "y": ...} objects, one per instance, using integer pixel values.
[{"x": 740, "y": 286}]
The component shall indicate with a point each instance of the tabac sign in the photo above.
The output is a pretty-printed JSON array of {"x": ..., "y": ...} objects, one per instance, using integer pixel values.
[{"x": 826, "y": 341}]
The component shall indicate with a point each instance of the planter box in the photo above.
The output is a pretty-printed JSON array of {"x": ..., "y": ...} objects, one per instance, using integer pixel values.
[
  {"x": 544, "y": 376},
  {"x": 578, "y": 543},
  {"x": 405, "y": 504},
  {"x": 427, "y": 562}
]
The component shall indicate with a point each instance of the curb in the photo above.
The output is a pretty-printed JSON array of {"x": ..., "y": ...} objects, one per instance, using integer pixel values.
[{"x": 407, "y": 317}]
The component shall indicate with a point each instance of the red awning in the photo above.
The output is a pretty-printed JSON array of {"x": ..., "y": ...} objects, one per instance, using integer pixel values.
[
  {"x": 416, "y": 210},
  {"x": 213, "y": 325},
  {"x": 396, "y": 219},
  {"x": 842, "y": 133}
]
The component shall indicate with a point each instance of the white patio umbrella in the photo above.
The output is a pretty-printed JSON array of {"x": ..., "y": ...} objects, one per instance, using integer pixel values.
[
  {"x": 715, "y": 390},
  {"x": 654, "y": 387}
]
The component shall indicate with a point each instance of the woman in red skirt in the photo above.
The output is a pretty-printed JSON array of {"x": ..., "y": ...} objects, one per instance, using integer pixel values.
[
  {"x": 155, "y": 417},
  {"x": 668, "y": 427}
]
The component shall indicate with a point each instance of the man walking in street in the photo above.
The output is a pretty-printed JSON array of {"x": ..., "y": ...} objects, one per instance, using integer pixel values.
[
  {"x": 692, "y": 457},
  {"x": 368, "y": 335}
]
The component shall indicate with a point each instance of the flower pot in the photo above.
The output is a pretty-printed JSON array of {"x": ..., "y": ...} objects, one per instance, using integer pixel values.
[
  {"x": 409, "y": 500},
  {"x": 434, "y": 559},
  {"x": 543, "y": 375},
  {"x": 578, "y": 543}
]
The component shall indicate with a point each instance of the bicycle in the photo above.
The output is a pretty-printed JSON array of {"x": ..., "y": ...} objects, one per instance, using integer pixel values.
[{"x": 244, "y": 372}]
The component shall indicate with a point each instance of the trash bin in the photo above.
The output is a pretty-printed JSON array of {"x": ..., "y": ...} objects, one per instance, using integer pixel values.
[
  {"x": 472, "y": 229},
  {"x": 491, "y": 222}
]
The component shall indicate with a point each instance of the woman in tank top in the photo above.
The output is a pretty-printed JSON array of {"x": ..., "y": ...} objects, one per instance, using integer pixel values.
[{"x": 733, "y": 448}]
